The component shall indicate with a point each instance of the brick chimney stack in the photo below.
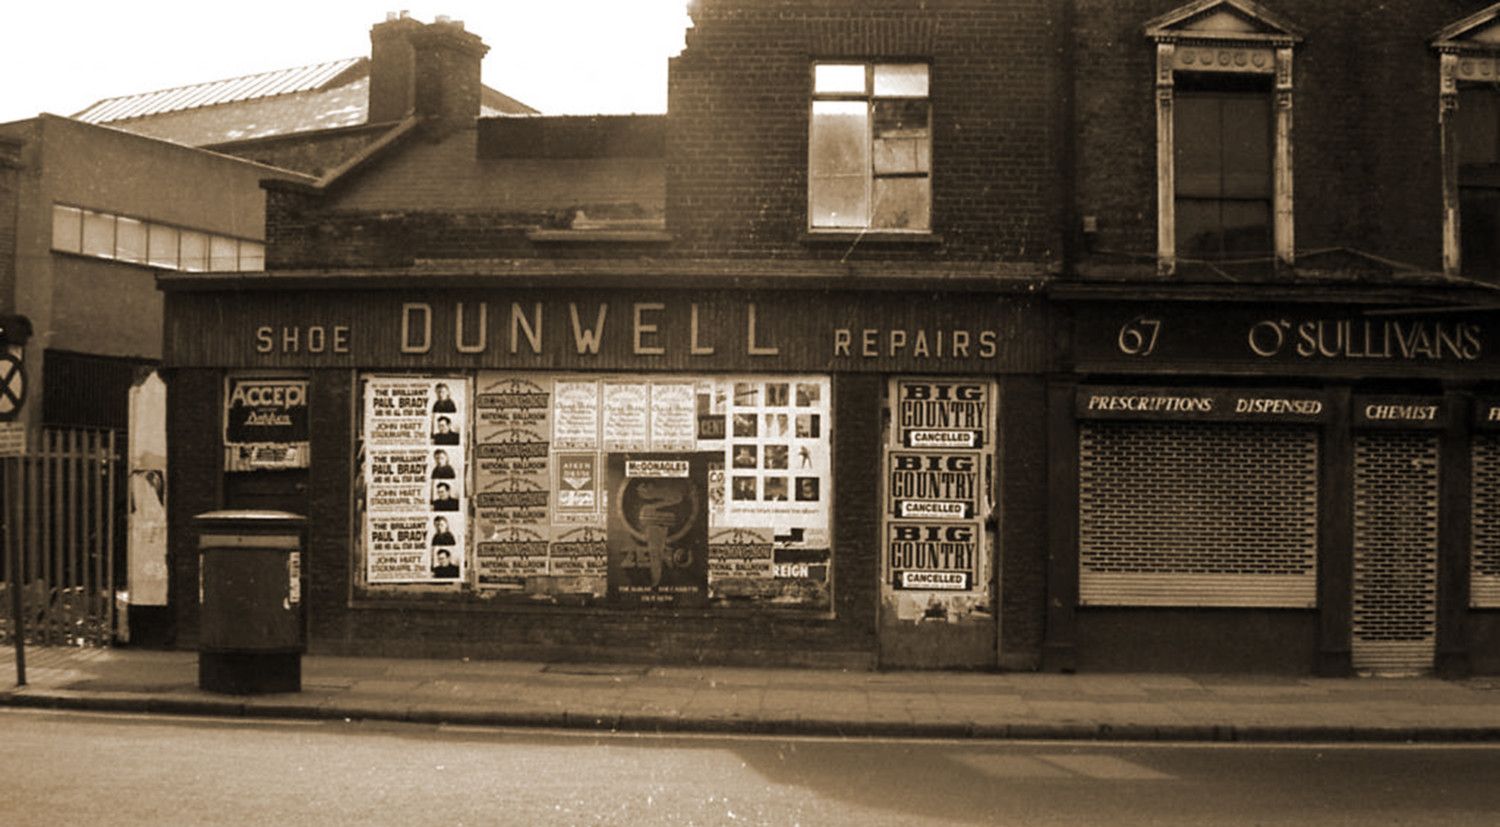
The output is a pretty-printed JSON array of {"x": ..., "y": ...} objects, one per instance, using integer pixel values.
[
  {"x": 392, "y": 68},
  {"x": 447, "y": 88}
]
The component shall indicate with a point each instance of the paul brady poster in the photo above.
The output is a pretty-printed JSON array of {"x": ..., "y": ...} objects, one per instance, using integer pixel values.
[
  {"x": 658, "y": 529},
  {"x": 415, "y": 465},
  {"x": 265, "y": 424}
]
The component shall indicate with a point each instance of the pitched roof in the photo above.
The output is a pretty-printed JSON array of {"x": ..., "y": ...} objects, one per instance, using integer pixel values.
[
  {"x": 282, "y": 102},
  {"x": 212, "y": 93}
]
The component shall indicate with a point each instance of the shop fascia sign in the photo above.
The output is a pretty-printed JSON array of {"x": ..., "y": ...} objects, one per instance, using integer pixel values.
[
  {"x": 814, "y": 330},
  {"x": 1207, "y": 404},
  {"x": 521, "y": 325},
  {"x": 1164, "y": 333}
]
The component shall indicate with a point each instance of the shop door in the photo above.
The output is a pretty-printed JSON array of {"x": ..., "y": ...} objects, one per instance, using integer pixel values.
[
  {"x": 938, "y": 606},
  {"x": 1395, "y": 551}
]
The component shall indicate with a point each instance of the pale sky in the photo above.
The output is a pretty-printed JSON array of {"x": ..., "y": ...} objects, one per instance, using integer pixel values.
[{"x": 563, "y": 57}]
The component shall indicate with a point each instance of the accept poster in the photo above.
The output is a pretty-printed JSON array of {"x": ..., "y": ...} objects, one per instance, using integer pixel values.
[
  {"x": 265, "y": 424},
  {"x": 658, "y": 529},
  {"x": 415, "y": 479}
]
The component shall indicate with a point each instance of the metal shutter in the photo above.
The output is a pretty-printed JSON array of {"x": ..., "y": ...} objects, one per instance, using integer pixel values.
[
  {"x": 1395, "y": 550},
  {"x": 1198, "y": 514},
  {"x": 1484, "y": 581}
]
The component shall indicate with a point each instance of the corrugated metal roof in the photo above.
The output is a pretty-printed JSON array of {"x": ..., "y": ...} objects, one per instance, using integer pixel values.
[{"x": 248, "y": 87}]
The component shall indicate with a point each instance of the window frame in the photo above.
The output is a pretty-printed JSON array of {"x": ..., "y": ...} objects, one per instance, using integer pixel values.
[
  {"x": 1224, "y": 194},
  {"x": 1209, "y": 38},
  {"x": 1474, "y": 181},
  {"x": 77, "y": 220},
  {"x": 870, "y": 176}
]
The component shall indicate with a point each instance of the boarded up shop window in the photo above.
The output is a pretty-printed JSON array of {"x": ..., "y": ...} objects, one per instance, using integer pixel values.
[{"x": 606, "y": 489}]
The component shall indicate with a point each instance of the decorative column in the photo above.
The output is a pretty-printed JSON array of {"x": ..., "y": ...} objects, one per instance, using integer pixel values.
[
  {"x": 1447, "y": 111},
  {"x": 1166, "y": 184},
  {"x": 1284, "y": 234}
]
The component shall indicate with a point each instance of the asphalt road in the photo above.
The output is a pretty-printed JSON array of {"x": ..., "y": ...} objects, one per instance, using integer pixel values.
[{"x": 81, "y": 768}]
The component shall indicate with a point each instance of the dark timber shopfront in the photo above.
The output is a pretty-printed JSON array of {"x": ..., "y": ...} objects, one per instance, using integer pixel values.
[
  {"x": 1294, "y": 486},
  {"x": 494, "y": 467}
]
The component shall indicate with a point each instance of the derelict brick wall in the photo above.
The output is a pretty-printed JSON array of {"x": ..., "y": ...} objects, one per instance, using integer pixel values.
[
  {"x": 1366, "y": 157},
  {"x": 1023, "y": 520},
  {"x": 194, "y": 459},
  {"x": 305, "y": 237},
  {"x": 291, "y": 223},
  {"x": 738, "y": 103},
  {"x": 435, "y": 628}
]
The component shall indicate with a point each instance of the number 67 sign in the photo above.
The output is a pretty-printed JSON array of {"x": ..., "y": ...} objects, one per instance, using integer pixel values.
[{"x": 1138, "y": 336}]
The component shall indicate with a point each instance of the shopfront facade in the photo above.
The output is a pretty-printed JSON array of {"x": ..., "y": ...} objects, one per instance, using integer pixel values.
[
  {"x": 1259, "y": 485},
  {"x": 493, "y": 468}
]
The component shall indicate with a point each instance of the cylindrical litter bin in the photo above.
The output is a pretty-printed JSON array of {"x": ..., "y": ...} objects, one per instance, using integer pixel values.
[{"x": 250, "y": 633}]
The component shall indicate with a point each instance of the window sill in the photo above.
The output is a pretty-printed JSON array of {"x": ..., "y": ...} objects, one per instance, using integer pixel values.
[
  {"x": 596, "y": 236},
  {"x": 869, "y": 237}
]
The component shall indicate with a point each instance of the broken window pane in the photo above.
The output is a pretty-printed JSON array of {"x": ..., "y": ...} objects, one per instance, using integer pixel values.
[
  {"x": 902, "y": 204},
  {"x": 902, "y": 137}
]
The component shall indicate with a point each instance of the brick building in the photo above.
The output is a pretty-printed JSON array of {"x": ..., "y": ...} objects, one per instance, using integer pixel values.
[
  {"x": 1281, "y": 369},
  {"x": 981, "y": 334}
]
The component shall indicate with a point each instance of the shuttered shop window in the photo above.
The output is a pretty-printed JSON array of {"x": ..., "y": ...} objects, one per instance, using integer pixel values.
[
  {"x": 1484, "y": 585},
  {"x": 1197, "y": 514},
  {"x": 1395, "y": 550}
]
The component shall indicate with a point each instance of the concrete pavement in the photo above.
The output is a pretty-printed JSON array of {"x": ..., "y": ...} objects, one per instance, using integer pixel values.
[{"x": 622, "y": 697}]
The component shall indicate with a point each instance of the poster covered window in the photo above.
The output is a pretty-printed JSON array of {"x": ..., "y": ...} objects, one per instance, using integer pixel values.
[
  {"x": 938, "y": 479},
  {"x": 414, "y": 481},
  {"x": 568, "y": 501}
]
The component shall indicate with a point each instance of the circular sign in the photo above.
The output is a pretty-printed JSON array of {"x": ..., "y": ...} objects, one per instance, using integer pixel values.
[{"x": 12, "y": 385}]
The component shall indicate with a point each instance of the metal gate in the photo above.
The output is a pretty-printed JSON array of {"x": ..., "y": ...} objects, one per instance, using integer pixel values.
[
  {"x": 62, "y": 511},
  {"x": 1395, "y": 551},
  {"x": 1484, "y": 578},
  {"x": 1197, "y": 514}
]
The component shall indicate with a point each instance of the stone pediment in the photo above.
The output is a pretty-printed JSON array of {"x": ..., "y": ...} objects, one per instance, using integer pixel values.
[
  {"x": 1477, "y": 32},
  {"x": 1237, "y": 21}
]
